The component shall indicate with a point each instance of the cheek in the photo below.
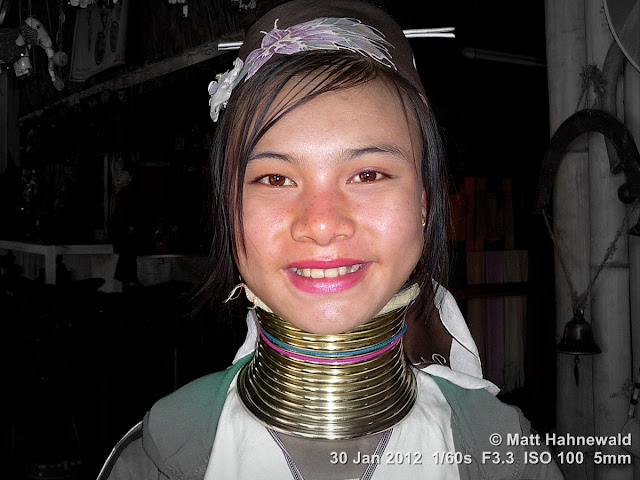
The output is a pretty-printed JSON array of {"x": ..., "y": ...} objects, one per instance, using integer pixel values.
[
  {"x": 413, "y": 236},
  {"x": 263, "y": 224},
  {"x": 398, "y": 221}
]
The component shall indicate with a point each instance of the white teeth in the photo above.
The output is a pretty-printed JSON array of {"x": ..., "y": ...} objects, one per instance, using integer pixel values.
[
  {"x": 327, "y": 273},
  {"x": 331, "y": 273}
]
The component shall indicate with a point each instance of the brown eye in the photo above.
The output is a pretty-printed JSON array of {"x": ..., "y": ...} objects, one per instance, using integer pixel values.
[
  {"x": 367, "y": 176},
  {"x": 276, "y": 180}
]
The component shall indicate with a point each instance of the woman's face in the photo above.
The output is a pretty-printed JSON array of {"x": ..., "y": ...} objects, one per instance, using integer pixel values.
[{"x": 333, "y": 203}]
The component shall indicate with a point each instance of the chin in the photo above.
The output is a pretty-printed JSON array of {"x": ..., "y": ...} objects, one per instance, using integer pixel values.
[
  {"x": 326, "y": 329},
  {"x": 333, "y": 323}
]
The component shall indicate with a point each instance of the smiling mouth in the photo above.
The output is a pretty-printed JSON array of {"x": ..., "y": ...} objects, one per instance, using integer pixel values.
[{"x": 327, "y": 272}]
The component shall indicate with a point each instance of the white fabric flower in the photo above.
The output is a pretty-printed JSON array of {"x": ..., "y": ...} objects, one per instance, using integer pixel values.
[{"x": 220, "y": 90}]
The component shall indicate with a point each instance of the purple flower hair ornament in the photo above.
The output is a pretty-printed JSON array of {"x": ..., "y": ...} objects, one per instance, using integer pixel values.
[{"x": 318, "y": 34}]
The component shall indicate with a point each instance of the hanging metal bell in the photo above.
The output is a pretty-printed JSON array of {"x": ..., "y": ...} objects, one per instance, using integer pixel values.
[{"x": 578, "y": 337}]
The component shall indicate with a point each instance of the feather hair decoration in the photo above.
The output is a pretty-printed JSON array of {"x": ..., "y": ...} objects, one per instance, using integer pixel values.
[{"x": 320, "y": 34}]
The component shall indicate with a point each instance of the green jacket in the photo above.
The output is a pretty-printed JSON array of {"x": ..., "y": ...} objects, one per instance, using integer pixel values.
[{"x": 174, "y": 440}]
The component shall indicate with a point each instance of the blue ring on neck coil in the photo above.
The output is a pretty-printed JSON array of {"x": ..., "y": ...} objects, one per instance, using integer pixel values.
[{"x": 315, "y": 353}]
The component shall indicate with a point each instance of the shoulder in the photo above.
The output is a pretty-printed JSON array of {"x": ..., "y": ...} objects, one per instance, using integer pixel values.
[
  {"x": 193, "y": 402},
  {"x": 127, "y": 458},
  {"x": 476, "y": 413},
  {"x": 179, "y": 430},
  {"x": 478, "y": 418},
  {"x": 174, "y": 440}
]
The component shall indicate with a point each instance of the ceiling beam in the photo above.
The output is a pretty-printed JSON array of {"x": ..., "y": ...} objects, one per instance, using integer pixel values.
[{"x": 139, "y": 75}]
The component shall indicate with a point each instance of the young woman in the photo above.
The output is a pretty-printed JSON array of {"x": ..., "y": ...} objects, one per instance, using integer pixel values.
[{"x": 330, "y": 206}]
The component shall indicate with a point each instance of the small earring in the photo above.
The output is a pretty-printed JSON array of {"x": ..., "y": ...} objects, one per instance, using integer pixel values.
[{"x": 424, "y": 222}]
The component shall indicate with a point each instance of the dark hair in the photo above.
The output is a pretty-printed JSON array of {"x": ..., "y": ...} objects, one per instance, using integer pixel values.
[{"x": 252, "y": 111}]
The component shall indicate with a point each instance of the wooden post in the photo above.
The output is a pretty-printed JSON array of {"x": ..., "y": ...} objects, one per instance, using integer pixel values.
[
  {"x": 610, "y": 293},
  {"x": 632, "y": 120},
  {"x": 566, "y": 55}
]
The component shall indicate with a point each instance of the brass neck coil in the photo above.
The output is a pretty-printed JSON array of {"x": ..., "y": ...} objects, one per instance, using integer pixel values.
[{"x": 324, "y": 398}]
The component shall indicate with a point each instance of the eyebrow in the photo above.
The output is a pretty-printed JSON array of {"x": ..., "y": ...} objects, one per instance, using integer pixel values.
[
  {"x": 373, "y": 149},
  {"x": 348, "y": 154}
]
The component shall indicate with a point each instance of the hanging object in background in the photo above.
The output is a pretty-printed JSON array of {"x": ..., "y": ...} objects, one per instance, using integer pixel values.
[
  {"x": 185, "y": 7},
  {"x": 99, "y": 40},
  {"x": 23, "y": 66},
  {"x": 32, "y": 32},
  {"x": 97, "y": 3},
  {"x": 245, "y": 4},
  {"x": 629, "y": 193},
  {"x": 578, "y": 340},
  {"x": 624, "y": 21},
  {"x": 60, "y": 58}
]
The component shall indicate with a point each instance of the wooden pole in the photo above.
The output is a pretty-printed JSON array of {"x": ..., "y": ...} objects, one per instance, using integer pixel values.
[
  {"x": 566, "y": 56},
  {"x": 632, "y": 120},
  {"x": 610, "y": 293}
]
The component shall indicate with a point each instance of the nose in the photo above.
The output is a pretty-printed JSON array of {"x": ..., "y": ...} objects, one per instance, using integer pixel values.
[{"x": 323, "y": 218}]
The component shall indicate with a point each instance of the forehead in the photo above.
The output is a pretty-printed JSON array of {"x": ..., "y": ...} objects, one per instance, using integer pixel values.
[
  {"x": 374, "y": 111},
  {"x": 315, "y": 86}
]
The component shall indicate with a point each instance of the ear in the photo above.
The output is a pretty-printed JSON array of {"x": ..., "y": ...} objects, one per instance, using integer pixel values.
[{"x": 425, "y": 202}]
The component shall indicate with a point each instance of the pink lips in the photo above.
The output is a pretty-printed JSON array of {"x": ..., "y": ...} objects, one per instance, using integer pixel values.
[{"x": 326, "y": 285}]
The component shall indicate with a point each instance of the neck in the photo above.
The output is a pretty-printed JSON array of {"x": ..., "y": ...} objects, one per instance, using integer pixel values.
[{"x": 329, "y": 386}]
